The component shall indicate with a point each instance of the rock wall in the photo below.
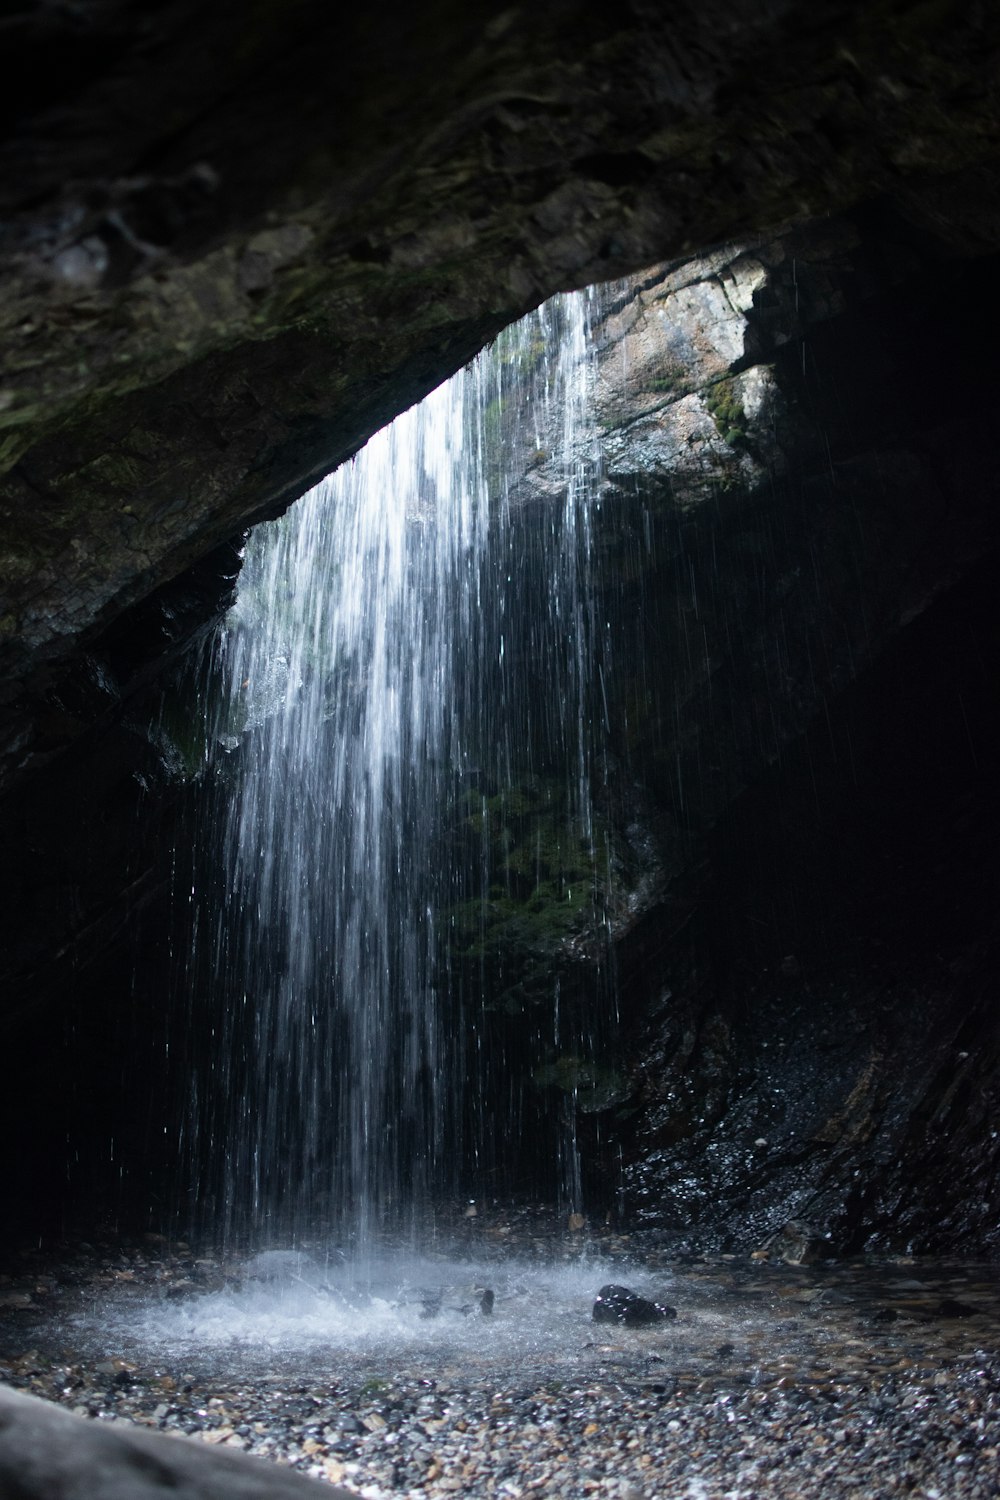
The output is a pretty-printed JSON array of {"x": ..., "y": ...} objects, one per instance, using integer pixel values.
[
  {"x": 225, "y": 263},
  {"x": 819, "y": 594},
  {"x": 234, "y": 246},
  {"x": 795, "y": 552},
  {"x": 795, "y": 546}
]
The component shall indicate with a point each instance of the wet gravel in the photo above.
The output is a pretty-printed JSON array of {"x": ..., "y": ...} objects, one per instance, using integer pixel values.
[{"x": 773, "y": 1380}]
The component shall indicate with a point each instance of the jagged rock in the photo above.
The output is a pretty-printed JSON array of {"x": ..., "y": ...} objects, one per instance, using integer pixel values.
[
  {"x": 799, "y": 1244},
  {"x": 50, "y": 1454}
]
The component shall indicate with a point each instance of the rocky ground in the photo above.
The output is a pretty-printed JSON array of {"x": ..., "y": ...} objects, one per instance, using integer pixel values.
[{"x": 773, "y": 1379}]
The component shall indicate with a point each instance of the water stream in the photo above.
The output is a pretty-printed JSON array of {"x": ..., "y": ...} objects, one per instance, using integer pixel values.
[{"x": 405, "y": 761}]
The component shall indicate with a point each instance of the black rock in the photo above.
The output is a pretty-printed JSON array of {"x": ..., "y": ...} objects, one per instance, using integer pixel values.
[
  {"x": 619, "y": 1304},
  {"x": 950, "y": 1307}
]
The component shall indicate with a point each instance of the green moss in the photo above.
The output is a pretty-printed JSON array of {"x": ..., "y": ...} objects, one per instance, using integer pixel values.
[
  {"x": 182, "y": 729},
  {"x": 672, "y": 383},
  {"x": 543, "y": 879},
  {"x": 12, "y": 445},
  {"x": 594, "y": 1086},
  {"x": 521, "y": 351},
  {"x": 726, "y": 409}
]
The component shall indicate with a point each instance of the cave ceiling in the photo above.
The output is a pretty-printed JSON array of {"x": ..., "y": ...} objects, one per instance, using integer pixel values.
[{"x": 236, "y": 241}]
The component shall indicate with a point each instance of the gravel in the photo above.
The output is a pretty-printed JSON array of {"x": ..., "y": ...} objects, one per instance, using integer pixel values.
[{"x": 773, "y": 1380}]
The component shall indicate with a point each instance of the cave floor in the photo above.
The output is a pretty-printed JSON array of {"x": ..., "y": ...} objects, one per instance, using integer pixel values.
[{"x": 880, "y": 1377}]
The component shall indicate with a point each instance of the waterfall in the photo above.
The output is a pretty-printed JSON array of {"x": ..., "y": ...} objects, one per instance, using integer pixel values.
[{"x": 404, "y": 769}]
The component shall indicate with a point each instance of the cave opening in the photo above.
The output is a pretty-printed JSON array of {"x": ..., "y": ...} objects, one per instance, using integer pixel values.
[
  {"x": 679, "y": 1163},
  {"x": 779, "y": 521},
  {"x": 571, "y": 862}
]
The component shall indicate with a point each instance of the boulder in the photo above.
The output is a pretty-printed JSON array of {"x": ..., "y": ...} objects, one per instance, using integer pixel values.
[{"x": 50, "y": 1454}]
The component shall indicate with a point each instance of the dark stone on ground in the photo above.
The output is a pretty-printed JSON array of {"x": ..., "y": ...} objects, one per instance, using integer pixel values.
[
  {"x": 619, "y": 1304},
  {"x": 950, "y": 1307}
]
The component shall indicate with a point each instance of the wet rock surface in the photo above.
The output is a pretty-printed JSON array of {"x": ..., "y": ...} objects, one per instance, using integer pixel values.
[{"x": 773, "y": 1378}]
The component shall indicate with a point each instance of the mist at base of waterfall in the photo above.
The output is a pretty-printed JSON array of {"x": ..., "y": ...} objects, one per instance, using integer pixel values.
[
  {"x": 773, "y": 1380},
  {"x": 288, "y": 1308},
  {"x": 122, "y": 1329}
]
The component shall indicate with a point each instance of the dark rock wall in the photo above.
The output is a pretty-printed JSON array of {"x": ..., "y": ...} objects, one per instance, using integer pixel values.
[
  {"x": 796, "y": 554},
  {"x": 820, "y": 1032},
  {"x": 233, "y": 246},
  {"x": 797, "y": 544}
]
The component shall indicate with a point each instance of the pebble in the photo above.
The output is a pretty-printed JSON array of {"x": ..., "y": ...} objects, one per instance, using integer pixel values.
[{"x": 763, "y": 1386}]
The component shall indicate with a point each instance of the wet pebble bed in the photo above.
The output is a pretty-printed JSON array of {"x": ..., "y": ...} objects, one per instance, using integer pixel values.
[{"x": 880, "y": 1379}]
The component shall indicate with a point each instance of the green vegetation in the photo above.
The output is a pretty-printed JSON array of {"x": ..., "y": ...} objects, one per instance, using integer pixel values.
[
  {"x": 543, "y": 881},
  {"x": 183, "y": 727},
  {"x": 676, "y": 383},
  {"x": 726, "y": 409},
  {"x": 593, "y": 1085}
]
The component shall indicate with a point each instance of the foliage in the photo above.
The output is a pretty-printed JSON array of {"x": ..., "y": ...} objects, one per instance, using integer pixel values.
[{"x": 723, "y": 402}]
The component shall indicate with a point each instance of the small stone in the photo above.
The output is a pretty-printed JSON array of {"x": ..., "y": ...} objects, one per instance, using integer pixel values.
[
  {"x": 15, "y": 1299},
  {"x": 799, "y": 1244}
]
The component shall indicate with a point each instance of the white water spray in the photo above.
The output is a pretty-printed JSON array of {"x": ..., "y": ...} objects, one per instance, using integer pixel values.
[{"x": 400, "y": 665}]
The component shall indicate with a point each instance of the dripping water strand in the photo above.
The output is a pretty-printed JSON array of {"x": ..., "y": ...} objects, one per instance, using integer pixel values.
[{"x": 414, "y": 644}]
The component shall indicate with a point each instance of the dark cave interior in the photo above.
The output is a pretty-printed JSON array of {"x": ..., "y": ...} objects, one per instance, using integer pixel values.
[{"x": 808, "y": 1019}]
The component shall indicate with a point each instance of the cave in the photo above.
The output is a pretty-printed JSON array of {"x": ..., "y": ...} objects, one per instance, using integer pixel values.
[{"x": 773, "y": 1031}]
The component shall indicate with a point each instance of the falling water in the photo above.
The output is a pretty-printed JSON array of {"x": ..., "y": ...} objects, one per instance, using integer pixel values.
[{"x": 409, "y": 706}]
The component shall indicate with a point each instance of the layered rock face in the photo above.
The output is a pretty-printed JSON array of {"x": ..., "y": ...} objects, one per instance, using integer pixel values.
[
  {"x": 808, "y": 641},
  {"x": 207, "y": 307},
  {"x": 794, "y": 550}
]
